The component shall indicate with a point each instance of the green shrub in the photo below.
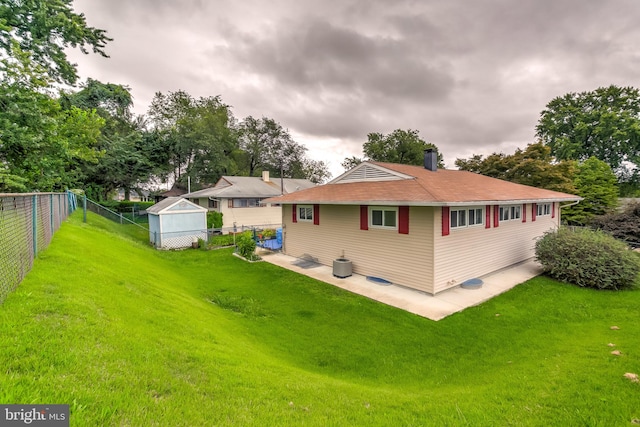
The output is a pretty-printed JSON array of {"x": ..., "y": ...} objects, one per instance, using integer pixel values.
[
  {"x": 587, "y": 258},
  {"x": 214, "y": 219},
  {"x": 623, "y": 225},
  {"x": 221, "y": 240},
  {"x": 269, "y": 232},
  {"x": 246, "y": 246},
  {"x": 125, "y": 206}
]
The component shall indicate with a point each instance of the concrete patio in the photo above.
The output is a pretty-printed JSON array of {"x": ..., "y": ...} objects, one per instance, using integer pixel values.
[{"x": 432, "y": 307}]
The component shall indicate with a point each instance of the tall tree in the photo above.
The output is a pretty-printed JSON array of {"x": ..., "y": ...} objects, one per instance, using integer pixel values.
[
  {"x": 315, "y": 171},
  {"x": 45, "y": 28},
  {"x": 198, "y": 134},
  {"x": 40, "y": 142},
  {"x": 604, "y": 123},
  {"x": 533, "y": 166},
  {"x": 351, "y": 162},
  {"x": 257, "y": 138},
  {"x": 125, "y": 160},
  {"x": 400, "y": 146},
  {"x": 266, "y": 145},
  {"x": 596, "y": 182}
]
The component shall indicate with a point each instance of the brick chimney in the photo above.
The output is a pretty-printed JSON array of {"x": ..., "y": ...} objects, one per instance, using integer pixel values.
[{"x": 431, "y": 159}]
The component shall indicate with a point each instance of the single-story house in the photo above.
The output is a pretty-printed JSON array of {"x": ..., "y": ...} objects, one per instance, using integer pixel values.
[
  {"x": 175, "y": 222},
  {"x": 175, "y": 191},
  {"x": 419, "y": 227},
  {"x": 240, "y": 198}
]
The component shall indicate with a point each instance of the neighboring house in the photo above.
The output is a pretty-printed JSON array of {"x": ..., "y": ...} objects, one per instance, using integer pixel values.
[
  {"x": 422, "y": 228},
  {"x": 175, "y": 222},
  {"x": 175, "y": 191},
  {"x": 134, "y": 196},
  {"x": 240, "y": 198}
]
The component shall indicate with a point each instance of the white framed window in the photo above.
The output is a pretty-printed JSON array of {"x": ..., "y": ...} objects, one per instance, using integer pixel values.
[
  {"x": 244, "y": 203},
  {"x": 383, "y": 217},
  {"x": 544, "y": 209},
  {"x": 458, "y": 218},
  {"x": 476, "y": 216},
  {"x": 510, "y": 213},
  {"x": 305, "y": 212},
  {"x": 466, "y": 217}
]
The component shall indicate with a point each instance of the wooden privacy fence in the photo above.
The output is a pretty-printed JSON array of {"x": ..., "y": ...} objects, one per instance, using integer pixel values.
[{"x": 27, "y": 224}]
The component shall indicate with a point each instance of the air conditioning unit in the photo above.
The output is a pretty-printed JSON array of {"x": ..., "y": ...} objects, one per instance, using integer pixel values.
[{"x": 342, "y": 268}]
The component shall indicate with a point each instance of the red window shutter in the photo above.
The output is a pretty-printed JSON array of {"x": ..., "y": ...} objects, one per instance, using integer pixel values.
[
  {"x": 487, "y": 216},
  {"x": 534, "y": 211},
  {"x": 553, "y": 210},
  {"x": 294, "y": 215},
  {"x": 445, "y": 220},
  {"x": 230, "y": 203},
  {"x": 364, "y": 217},
  {"x": 524, "y": 212},
  {"x": 316, "y": 214},
  {"x": 403, "y": 220},
  {"x": 496, "y": 216}
]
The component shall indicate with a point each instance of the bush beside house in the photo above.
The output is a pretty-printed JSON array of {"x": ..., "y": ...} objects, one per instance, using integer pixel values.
[
  {"x": 623, "y": 225},
  {"x": 246, "y": 246},
  {"x": 588, "y": 258}
]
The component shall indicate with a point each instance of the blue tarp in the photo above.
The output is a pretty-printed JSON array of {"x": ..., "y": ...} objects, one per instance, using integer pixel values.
[{"x": 272, "y": 244}]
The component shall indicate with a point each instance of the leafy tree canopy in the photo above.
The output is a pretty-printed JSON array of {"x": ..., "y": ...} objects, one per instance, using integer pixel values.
[
  {"x": 596, "y": 182},
  {"x": 351, "y": 162},
  {"x": 41, "y": 143},
  {"x": 533, "y": 166},
  {"x": 196, "y": 133},
  {"x": 604, "y": 123},
  {"x": 45, "y": 28},
  {"x": 400, "y": 146}
]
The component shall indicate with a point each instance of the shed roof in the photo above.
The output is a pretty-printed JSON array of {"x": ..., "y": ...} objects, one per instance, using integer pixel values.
[
  {"x": 251, "y": 186},
  {"x": 394, "y": 184},
  {"x": 174, "y": 205}
]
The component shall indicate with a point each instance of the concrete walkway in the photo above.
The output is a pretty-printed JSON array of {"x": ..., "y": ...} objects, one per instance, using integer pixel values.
[{"x": 432, "y": 307}]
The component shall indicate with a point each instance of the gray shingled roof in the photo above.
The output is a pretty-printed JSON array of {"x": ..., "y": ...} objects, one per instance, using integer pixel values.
[
  {"x": 250, "y": 186},
  {"x": 165, "y": 203}
]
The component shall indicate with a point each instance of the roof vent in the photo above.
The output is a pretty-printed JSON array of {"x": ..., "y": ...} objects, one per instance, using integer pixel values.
[{"x": 431, "y": 159}]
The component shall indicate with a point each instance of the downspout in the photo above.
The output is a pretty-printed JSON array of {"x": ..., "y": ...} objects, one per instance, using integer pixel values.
[
  {"x": 570, "y": 204},
  {"x": 565, "y": 206}
]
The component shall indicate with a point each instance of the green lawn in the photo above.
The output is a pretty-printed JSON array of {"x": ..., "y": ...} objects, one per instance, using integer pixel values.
[{"x": 128, "y": 335}]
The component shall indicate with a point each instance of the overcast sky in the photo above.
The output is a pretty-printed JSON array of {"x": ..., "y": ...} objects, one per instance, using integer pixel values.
[{"x": 472, "y": 76}]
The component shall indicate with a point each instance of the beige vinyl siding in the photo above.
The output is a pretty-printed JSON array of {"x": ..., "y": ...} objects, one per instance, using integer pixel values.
[
  {"x": 249, "y": 216},
  {"x": 267, "y": 215},
  {"x": 471, "y": 252},
  {"x": 404, "y": 259}
]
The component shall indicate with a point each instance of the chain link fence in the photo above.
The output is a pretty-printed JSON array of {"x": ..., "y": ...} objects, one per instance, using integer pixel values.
[
  {"x": 90, "y": 205},
  {"x": 266, "y": 236},
  {"x": 27, "y": 224}
]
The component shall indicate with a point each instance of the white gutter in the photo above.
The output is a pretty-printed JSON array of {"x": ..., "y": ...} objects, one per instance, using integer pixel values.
[
  {"x": 437, "y": 204},
  {"x": 571, "y": 204}
]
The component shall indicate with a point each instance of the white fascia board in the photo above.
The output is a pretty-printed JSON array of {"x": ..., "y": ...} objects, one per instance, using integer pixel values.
[{"x": 414, "y": 203}]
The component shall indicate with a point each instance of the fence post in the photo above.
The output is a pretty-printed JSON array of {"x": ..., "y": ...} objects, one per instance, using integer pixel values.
[
  {"x": 84, "y": 208},
  {"x": 51, "y": 216},
  {"x": 34, "y": 223}
]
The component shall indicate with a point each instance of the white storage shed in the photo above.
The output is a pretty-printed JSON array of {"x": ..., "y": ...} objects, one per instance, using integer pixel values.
[{"x": 175, "y": 223}]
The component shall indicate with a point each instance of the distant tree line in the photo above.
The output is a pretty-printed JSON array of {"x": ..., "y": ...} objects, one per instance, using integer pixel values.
[{"x": 589, "y": 145}]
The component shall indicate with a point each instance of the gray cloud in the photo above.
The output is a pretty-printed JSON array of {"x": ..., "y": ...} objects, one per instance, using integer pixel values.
[{"x": 472, "y": 77}]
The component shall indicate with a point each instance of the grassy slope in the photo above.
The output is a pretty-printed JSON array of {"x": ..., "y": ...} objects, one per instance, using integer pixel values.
[{"x": 128, "y": 336}]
